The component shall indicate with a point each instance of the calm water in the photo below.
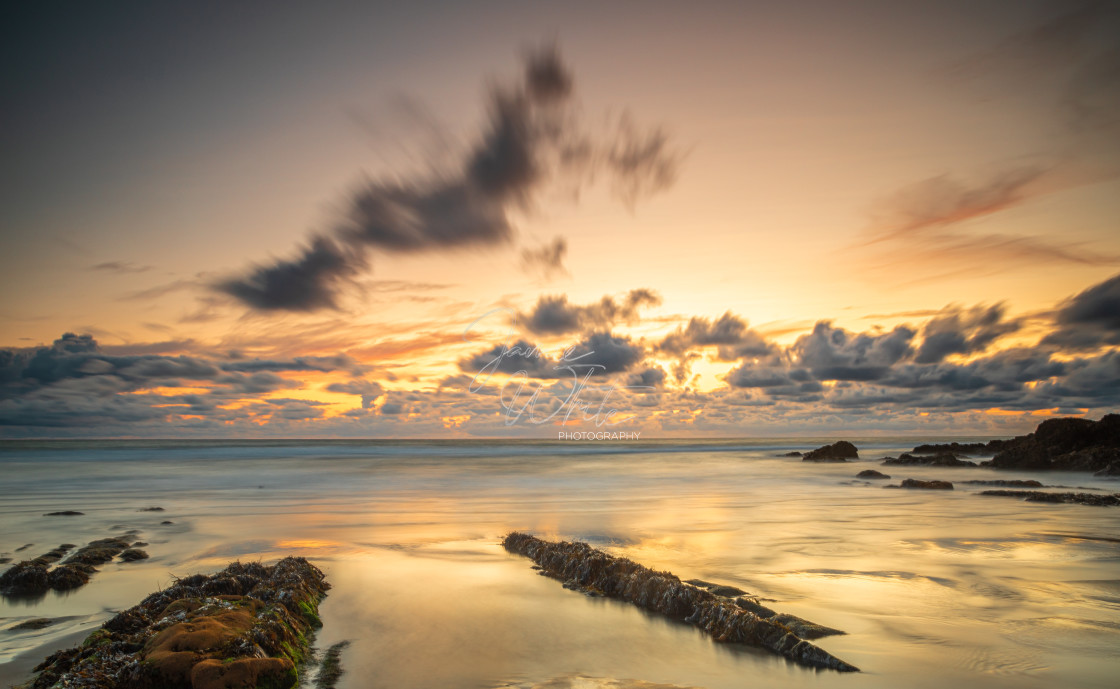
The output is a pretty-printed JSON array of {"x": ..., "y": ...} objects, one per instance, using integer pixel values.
[{"x": 934, "y": 588}]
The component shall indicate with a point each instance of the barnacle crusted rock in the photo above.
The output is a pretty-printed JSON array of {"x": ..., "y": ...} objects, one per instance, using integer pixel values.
[{"x": 246, "y": 626}]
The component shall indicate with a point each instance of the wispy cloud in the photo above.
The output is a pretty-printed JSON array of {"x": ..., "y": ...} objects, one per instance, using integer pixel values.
[{"x": 533, "y": 137}]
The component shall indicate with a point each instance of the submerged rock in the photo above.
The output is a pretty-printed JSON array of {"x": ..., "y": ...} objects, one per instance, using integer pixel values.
[
  {"x": 182, "y": 638},
  {"x": 330, "y": 670},
  {"x": 1067, "y": 444},
  {"x": 871, "y": 473},
  {"x": 945, "y": 459},
  {"x": 836, "y": 452},
  {"x": 1009, "y": 483},
  {"x": 927, "y": 485},
  {"x": 33, "y": 623},
  {"x": 1072, "y": 498},
  {"x": 64, "y": 513},
  {"x": 98, "y": 552},
  {"x": 580, "y": 565}
]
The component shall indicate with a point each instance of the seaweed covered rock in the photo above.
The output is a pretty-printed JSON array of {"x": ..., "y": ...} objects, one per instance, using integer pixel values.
[
  {"x": 1067, "y": 444},
  {"x": 26, "y": 578},
  {"x": 1069, "y": 498},
  {"x": 943, "y": 459},
  {"x": 184, "y": 638},
  {"x": 840, "y": 451},
  {"x": 583, "y": 567}
]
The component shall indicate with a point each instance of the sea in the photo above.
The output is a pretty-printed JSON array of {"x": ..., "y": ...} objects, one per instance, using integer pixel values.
[{"x": 933, "y": 588}]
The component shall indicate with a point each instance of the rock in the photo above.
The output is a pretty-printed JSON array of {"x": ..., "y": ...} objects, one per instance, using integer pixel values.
[
  {"x": 837, "y": 452},
  {"x": 179, "y": 637},
  {"x": 1067, "y": 444},
  {"x": 944, "y": 459},
  {"x": 582, "y": 567},
  {"x": 24, "y": 547},
  {"x": 27, "y": 578},
  {"x": 166, "y": 523},
  {"x": 1071, "y": 498},
  {"x": 138, "y": 544},
  {"x": 68, "y": 577},
  {"x": 717, "y": 589},
  {"x": 1113, "y": 469},
  {"x": 98, "y": 552},
  {"x": 133, "y": 554},
  {"x": 791, "y": 454},
  {"x": 871, "y": 473},
  {"x": 33, "y": 623},
  {"x": 801, "y": 627},
  {"x": 150, "y": 509},
  {"x": 1010, "y": 483},
  {"x": 64, "y": 513},
  {"x": 927, "y": 485},
  {"x": 990, "y": 447}
]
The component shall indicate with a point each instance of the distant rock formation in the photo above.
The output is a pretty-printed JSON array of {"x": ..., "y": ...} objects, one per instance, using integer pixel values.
[
  {"x": 1066, "y": 444},
  {"x": 1073, "y": 498},
  {"x": 840, "y": 451}
]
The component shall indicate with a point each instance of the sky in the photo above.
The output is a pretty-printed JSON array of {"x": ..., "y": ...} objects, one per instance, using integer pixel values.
[{"x": 500, "y": 219}]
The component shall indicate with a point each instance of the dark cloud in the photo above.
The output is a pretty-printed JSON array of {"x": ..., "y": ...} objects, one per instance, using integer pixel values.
[
  {"x": 729, "y": 332},
  {"x": 367, "y": 389},
  {"x": 1089, "y": 320},
  {"x": 76, "y": 379},
  {"x": 547, "y": 260},
  {"x": 652, "y": 377},
  {"x": 603, "y": 352},
  {"x": 521, "y": 356},
  {"x": 532, "y": 136},
  {"x": 958, "y": 331},
  {"x": 554, "y": 315},
  {"x": 835, "y": 354},
  {"x": 308, "y": 282}
]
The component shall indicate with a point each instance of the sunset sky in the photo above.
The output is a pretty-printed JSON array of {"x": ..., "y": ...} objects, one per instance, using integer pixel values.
[{"x": 750, "y": 219}]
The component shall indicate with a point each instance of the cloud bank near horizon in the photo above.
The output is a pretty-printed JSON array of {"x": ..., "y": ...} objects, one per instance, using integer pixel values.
[{"x": 956, "y": 361}]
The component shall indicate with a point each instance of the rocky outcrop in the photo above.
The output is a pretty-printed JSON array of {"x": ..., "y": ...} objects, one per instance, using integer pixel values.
[
  {"x": 1067, "y": 444},
  {"x": 944, "y": 459},
  {"x": 246, "y": 626},
  {"x": 1071, "y": 498},
  {"x": 836, "y": 452},
  {"x": 990, "y": 447},
  {"x": 35, "y": 577},
  {"x": 926, "y": 485},
  {"x": 871, "y": 473},
  {"x": 582, "y": 567}
]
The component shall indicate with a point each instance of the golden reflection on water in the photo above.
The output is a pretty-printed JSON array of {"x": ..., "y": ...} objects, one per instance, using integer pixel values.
[{"x": 933, "y": 589}]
